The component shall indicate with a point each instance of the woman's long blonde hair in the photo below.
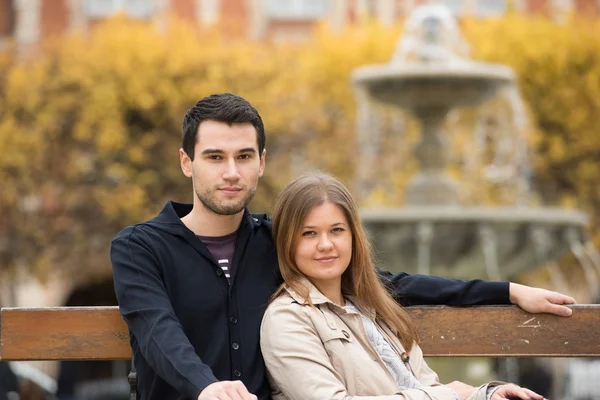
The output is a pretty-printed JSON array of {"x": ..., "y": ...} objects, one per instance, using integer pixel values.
[{"x": 360, "y": 279}]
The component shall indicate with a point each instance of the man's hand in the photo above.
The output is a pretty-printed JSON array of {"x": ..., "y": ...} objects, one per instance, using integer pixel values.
[
  {"x": 226, "y": 390},
  {"x": 462, "y": 389},
  {"x": 510, "y": 391},
  {"x": 536, "y": 300}
]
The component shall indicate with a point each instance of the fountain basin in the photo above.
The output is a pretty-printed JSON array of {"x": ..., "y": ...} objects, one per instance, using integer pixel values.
[
  {"x": 411, "y": 85},
  {"x": 463, "y": 242}
]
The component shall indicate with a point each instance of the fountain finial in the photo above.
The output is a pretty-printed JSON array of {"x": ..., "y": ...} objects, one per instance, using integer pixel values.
[{"x": 431, "y": 35}]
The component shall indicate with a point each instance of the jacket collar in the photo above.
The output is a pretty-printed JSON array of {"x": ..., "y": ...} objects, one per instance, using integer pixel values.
[
  {"x": 314, "y": 295},
  {"x": 317, "y": 298},
  {"x": 170, "y": 218}
]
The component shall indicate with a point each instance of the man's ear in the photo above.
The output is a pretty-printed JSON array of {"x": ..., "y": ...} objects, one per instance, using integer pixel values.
[
  {"x": 186, "y": 163},
  {"x": 263, "y": 157}
]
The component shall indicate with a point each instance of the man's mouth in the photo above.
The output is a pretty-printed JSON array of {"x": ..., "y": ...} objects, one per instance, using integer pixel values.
[{"x": 230, "y": 190}]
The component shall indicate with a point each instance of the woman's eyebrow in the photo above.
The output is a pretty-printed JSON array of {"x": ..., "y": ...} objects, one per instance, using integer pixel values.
[{"x": 314, "y": 227}]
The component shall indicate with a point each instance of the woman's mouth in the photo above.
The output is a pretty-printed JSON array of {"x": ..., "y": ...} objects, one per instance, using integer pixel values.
[{"x": 327, "y": 259}]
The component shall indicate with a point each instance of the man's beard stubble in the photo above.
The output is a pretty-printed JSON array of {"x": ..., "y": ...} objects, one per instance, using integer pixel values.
[{"x": 224, "y": 207}]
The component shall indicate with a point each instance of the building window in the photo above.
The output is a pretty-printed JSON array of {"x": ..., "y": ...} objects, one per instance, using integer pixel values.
[
  {"x": 209, "y": 12},
  {"x": 482, "y": 8},
  {"x": 490, "y": 7},
  {"x": 456, "y": 6},
  {"x": 132, "y": 8},
  {"x": 297, "y": 9}
]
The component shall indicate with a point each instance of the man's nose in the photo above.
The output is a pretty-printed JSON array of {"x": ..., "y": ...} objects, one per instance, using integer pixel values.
[{"x": 231, "y": 172}]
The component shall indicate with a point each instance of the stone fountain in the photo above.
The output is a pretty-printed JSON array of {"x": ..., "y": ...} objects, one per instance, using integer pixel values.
[{"x": 435, "y": 232}]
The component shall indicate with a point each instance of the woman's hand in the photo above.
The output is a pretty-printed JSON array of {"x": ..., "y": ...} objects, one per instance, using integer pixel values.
[
  {"x": 462, "y": 389},
  {"x": 511, "y": 391}
]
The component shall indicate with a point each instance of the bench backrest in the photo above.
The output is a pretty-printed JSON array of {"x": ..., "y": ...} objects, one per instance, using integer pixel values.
[{"x": 99, "y": 333}]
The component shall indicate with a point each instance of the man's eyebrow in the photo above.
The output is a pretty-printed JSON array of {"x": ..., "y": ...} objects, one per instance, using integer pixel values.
[
  {"x": 213, "y": 151},
  {"x": 218, "y": 151}
]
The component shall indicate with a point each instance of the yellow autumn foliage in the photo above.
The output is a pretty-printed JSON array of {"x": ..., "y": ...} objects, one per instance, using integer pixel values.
[
  {"x": 90, "y": 124},
  {"x": 558, "y": 70}
]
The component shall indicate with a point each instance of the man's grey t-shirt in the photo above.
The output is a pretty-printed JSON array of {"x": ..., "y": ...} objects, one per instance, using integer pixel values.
[{"x": 222, "y": 248}]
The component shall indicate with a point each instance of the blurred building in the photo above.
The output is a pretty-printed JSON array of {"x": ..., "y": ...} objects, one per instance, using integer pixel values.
[{"x": 29, "y": 21}]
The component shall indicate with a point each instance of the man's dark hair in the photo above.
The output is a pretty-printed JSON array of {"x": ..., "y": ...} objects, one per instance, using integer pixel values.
[{"x": 222, "y": 107}]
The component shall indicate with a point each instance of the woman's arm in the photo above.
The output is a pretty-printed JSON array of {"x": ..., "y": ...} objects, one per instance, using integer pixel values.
[
  {"x": 298, "y": 365},
  {"x": 428, "y": 377}
]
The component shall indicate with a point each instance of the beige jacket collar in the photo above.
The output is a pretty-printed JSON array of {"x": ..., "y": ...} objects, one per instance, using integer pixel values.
[
  {"x": 314, "y": 295},
  {"x": 318, "y": 298}
]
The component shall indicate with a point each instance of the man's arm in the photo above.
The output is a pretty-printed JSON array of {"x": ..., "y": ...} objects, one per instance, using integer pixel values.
[
  {"x": 146, "y": 307},
  {"x": 410, "y": 290}
]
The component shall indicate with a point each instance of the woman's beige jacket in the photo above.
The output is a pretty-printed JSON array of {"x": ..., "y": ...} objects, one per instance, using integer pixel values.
[{"x": 323, "y": 353}]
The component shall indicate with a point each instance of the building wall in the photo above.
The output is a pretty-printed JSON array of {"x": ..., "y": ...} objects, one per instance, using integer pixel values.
[
  {"x": 235, "y": 15},
  {"x": 289, "y": 31},
  {"x": 587, "y": 7},
  {"x": 538, "y": 6},
  {"x": 32, "y": 20},
  {"x": 6, "y": 18},
  {"x": 184, "y": 9},
  {"x": 54, "y": 18}
]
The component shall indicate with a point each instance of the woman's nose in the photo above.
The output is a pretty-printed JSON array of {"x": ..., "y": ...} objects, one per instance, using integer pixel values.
[{"x": 324, "y": 243}]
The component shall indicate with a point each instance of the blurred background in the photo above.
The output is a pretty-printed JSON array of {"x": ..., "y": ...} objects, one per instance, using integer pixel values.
[{"x": 467, "y": 129}]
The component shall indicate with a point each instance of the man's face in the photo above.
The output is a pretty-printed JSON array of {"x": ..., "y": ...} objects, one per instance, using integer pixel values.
[{"x": 226, "y": 166}]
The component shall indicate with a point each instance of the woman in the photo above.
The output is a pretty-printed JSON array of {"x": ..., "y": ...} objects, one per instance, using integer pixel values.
[{"x": 332, "y": 330}]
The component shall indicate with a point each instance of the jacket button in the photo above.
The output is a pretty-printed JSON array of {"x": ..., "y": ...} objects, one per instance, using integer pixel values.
[
  {"x": 233, "y": 320},
  {"x": 219, "y": 272},
  {"x": 235, "y": 346},
  {"x": 237, "y": 373},
  {"x": 346, "y": 334}
]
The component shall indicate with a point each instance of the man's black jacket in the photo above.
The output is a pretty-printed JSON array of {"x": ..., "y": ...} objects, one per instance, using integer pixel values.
[
  {"x": 8, "y": 381},
  {"x": 189, "y": 327}
]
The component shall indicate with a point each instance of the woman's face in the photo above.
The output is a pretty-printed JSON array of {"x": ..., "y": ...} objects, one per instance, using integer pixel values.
[{"x": 324, "y": 246}]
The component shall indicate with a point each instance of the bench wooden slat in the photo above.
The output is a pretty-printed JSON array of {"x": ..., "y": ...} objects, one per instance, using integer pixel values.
[
  {"x": 495, "y": 331},
  {"x": 63, "y": 333},
  {"x": 99, "y": 333}
]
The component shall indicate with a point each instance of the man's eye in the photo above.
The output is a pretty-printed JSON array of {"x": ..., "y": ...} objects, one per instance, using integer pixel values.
[
  {"x": 245, "y": 157},
  {"x": 214, "y": 157}
]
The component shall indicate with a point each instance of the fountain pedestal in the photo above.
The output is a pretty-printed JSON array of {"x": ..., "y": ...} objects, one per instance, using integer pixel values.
[{"x": 432, "y": 184}]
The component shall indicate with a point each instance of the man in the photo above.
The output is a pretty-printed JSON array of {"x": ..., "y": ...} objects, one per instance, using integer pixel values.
[{"x": 193, "y": 283}]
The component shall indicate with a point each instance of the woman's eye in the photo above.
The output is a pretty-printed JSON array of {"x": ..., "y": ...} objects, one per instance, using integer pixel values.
[
  {"x": 308, "y": 233},
  {"x": 338, "y": 230}
]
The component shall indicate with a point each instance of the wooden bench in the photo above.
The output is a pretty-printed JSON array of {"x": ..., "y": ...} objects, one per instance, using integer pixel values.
[{"x": 99, "y": 333}]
